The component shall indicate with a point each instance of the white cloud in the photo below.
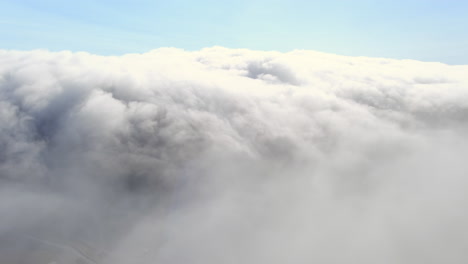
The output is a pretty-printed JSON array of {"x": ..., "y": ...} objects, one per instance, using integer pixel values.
[{"x": 233, "y": 156}]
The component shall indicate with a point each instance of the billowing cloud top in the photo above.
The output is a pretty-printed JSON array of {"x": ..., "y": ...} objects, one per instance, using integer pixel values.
[{"x": 231, "y": 156}]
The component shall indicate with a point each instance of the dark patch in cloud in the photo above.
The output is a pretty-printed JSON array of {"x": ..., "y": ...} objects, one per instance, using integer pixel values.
[{"x": 271, "y": 72}]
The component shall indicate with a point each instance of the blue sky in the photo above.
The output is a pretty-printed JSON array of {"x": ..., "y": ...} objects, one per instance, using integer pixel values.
[{"x": 429, "y": 30}]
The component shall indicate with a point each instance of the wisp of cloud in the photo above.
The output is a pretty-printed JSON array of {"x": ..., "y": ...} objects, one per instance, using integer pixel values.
[{"x": 231, "y": 156}]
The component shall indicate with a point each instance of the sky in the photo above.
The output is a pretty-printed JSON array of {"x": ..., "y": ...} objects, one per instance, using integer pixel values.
[{"x": 428, "y": 30}]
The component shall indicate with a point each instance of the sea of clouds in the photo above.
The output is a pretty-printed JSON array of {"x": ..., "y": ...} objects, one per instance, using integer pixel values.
[{"x": 231, "y": 156}]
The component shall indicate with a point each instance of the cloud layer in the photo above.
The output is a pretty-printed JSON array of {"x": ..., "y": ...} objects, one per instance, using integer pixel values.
[{"x": 231, "y": 156}]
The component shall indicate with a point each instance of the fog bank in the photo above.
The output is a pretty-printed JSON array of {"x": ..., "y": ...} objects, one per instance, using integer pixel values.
[{"x": 231, "y": 156}]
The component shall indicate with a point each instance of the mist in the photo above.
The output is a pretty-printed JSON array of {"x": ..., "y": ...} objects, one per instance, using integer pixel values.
[{"x": 231, "y": 156}]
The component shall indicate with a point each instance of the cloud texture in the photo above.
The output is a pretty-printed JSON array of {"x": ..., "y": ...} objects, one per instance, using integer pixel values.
[{"x": 231, "y": 156}]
